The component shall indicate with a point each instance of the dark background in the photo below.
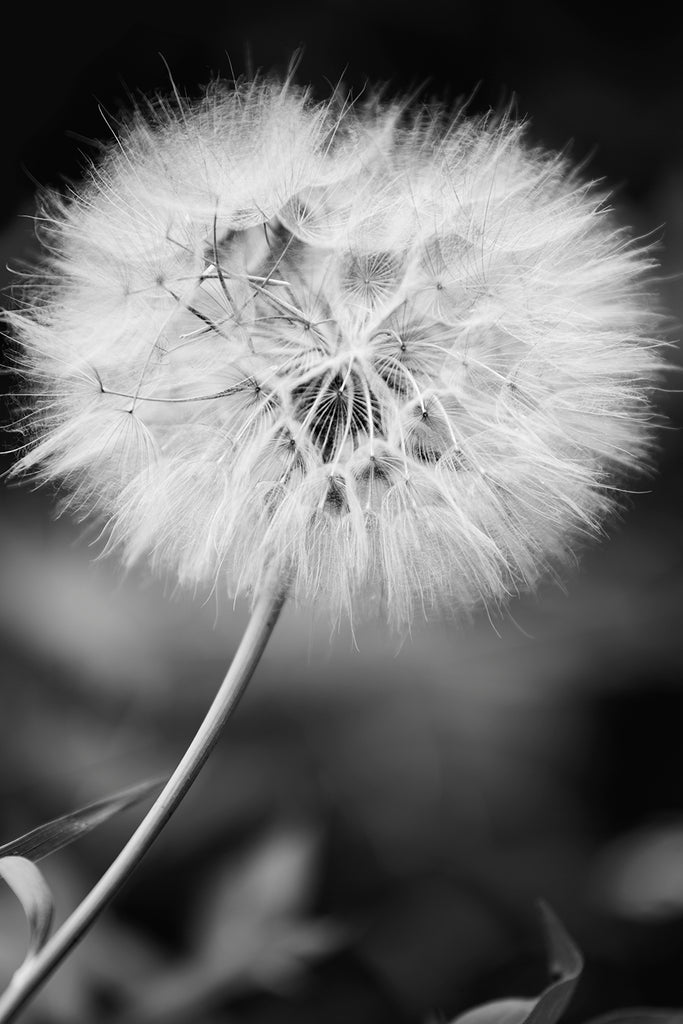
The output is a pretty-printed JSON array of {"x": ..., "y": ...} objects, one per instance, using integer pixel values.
[{"x": 413, "y": 800}]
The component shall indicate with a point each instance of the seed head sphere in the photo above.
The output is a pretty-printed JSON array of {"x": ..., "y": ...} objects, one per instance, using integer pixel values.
[{"x": 370, "y": 350}]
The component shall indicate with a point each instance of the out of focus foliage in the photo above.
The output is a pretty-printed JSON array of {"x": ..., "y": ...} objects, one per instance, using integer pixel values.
[{"x": 369, "y": 841}]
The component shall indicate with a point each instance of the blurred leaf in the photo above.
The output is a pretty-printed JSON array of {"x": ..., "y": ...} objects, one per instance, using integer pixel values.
[
  {"x": 640, "y": 875},
  {"x": 501, "y": 1011},
  {"x": 564, "y": 961},
  {"x": 28, "y": 885},
  {"x": 59, "y": 832},
  {"x": 254, "y": 922},
  {"x": 273, "y": 879},
  {"x": 250, "y": 932},
  {"x": 639, "y": 1015}
]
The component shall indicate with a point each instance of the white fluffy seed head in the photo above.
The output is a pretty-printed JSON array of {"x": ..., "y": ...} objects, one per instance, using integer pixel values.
[{"x": 372, "y": 351}]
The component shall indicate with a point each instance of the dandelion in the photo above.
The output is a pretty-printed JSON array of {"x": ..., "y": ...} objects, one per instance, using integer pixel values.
[{"x": 367, "y": 353}]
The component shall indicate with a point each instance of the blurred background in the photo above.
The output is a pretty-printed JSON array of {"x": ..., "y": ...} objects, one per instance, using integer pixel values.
[{"x": 369, "y": 841}]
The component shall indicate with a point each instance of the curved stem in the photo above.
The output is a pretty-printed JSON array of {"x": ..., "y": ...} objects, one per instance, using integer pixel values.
[{"x": 32, "y": 974}]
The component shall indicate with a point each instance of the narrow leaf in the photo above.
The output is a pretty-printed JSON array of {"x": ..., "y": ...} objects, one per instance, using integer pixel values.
[
  {"x": 564, "y": 960},
  {"x": 59, "y": 832},
  {"x": 28, "y": 885},
  {"x": 566, "y": 963}
]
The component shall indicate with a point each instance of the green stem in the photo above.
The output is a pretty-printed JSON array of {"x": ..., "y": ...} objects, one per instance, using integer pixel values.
[{"x": 33, "y": 973}]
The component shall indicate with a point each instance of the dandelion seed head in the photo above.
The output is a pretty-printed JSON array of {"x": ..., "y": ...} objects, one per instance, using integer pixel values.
[{"x": 373, "y": 351}]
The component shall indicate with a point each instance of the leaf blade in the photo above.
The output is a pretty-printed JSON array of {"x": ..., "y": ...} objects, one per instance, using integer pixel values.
[
  {"x": 500, "y": 1011},
  {"x": 29, "y": 886},
  {"x": 59, "y": 832},
  {"x": 564, "y": 960}
]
